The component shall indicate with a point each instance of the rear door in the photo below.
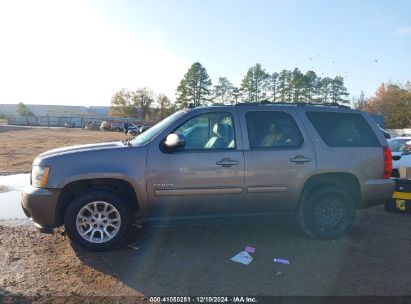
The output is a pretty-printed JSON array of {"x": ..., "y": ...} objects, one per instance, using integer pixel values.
[{"x": 279, "y": 157}]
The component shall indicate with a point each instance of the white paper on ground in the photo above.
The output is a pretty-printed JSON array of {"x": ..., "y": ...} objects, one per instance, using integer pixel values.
[{"x": 243, "y": 257}]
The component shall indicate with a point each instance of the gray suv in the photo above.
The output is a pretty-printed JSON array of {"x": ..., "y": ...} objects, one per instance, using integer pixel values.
[{"x": 322, "y": 162}]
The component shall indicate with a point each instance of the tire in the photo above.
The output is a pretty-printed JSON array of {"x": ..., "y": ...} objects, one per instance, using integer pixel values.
[
  {"x": 390, "y": 206},
  {"x": 326, "y": 213},
  {"x": 133, "y": 133},
  {"x": 111, "y": 226}
]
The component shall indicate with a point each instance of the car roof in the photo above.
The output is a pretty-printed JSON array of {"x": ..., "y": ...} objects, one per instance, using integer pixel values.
[
  {"x": 266, "y": 105},
  {"x": 401, "y": 137}
]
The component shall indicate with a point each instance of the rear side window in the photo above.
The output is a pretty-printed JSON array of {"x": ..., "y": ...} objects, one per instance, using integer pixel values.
[
  {"x": 272, "y": 129},
  {"x": 343, "y": 129}
]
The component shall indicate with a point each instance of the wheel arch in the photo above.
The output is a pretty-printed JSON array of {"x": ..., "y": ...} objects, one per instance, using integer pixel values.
[
  {"x": 347, "y": 181},
  {"x": 72, "y": 189}
]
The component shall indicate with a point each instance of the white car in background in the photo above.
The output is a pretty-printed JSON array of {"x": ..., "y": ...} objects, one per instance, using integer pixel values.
[{"x": 401, "y": 156}]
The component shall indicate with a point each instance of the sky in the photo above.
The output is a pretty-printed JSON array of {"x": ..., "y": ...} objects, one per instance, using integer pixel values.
[{"x": 80, "y": 52}]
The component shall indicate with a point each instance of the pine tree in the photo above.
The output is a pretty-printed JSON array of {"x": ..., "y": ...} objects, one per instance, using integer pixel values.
[
  {"x": 223, "y": 91},
  {"x": 297, "y": 85},
  {"x": 273, "y": 86},
  {"x": 310, "y": 85},
  {"x": 282, "y": 85},
  {"x": 325, "y": 89},
  {"x": 338, "y": 90},
  {"x": 194, "y": 87},
  {"x": 254, "y": 83}
]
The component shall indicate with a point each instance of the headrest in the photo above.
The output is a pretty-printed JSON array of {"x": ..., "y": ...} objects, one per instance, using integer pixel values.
[{"x": 272, "y": 128}]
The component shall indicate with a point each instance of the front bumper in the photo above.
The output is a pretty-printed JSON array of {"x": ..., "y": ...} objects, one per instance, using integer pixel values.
[
  {"x": 39, "y": 205},
  {"x": 377, "y": 191}
]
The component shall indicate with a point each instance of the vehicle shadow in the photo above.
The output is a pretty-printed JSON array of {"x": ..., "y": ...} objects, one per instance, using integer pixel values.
[
  {"x": 194, "y": 259},
  {"x": 7, "y": 297}
]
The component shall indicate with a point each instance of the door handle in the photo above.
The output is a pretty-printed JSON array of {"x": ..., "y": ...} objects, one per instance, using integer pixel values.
[
  {"x": 227, "y": 162},
  {"x": 300, "y": 159}
]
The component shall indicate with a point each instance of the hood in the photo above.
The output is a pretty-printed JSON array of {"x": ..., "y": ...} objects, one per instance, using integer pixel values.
[{"x": 81, "y": 148}]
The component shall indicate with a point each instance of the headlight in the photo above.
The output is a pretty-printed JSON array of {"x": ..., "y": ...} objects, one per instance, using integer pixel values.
[{"x": 39, "y": 176}]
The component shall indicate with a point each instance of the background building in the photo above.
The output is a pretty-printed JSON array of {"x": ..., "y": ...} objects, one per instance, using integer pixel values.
[{"x": 56, "y": 110}]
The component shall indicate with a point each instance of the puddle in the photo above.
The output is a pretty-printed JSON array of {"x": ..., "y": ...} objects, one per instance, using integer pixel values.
[{"x": 10, "y": 195}]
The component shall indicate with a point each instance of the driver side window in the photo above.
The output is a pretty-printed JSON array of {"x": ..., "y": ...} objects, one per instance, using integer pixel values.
[{"x": 208, "y": 131}]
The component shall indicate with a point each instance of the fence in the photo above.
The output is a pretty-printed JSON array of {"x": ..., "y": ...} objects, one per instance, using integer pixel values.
[{"x": 59, "y": 121}]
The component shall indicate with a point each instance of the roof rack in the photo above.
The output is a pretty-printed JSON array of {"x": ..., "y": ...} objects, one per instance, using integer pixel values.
[{"x": 267, "y": 102}]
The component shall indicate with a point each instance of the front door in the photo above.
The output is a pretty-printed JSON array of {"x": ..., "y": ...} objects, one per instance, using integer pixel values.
[{"x": 204, "y": 177}]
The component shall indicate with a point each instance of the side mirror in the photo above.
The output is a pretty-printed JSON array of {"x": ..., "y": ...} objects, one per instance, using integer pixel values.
[{"x": 174, "y": 141}]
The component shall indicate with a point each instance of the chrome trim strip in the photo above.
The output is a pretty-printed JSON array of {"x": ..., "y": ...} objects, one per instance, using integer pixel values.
[
  {"x": 197, "y": 191},
  {"x": 266, "y": 189}
]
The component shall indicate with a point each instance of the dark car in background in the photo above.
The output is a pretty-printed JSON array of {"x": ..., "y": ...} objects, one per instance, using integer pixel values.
[{"x": 134, "y": 130}]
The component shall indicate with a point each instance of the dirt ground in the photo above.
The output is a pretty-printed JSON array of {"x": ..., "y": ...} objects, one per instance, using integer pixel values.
[
  {"x": 194, "y": 259},
  {"x": 24, "y": 144}
]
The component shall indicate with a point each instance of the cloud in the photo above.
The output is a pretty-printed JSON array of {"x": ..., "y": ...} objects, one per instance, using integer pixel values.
[
  {"x": 406, "y": 31},
  {"x": 66, "y": 52}
]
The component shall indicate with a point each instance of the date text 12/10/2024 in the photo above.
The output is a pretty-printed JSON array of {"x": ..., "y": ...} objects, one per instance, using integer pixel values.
[{"x": 202, "y": 299}]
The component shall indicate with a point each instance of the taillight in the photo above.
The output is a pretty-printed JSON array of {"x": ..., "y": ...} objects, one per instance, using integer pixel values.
[{"x": 387, "y": 162}]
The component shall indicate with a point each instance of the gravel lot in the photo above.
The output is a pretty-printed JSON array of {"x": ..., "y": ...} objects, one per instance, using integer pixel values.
[
  {"x": 24, "y": 144},
  {"x": 194, "y": 259}
]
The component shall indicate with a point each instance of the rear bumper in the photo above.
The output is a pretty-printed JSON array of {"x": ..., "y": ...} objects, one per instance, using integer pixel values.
[
  {"x": 376, "y": 191},
  {"x": 40, "y": 206}
]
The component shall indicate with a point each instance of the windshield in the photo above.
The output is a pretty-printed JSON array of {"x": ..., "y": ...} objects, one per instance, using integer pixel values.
[
  {"x": 153, "y": 131},
  {"x": 398, "y": 144}
]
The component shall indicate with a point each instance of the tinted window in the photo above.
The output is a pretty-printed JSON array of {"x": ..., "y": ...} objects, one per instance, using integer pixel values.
[
  {"x": 398, "y": 144},
  {"x": 270, "y": 129},
  {"x": 343, "y": 129},
  {"x": 208, "y": 131}
]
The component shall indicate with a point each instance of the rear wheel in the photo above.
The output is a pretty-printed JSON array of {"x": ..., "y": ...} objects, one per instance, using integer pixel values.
[
  {"x": 98, "y": 220},
  {"x": 326, "y": 213}
]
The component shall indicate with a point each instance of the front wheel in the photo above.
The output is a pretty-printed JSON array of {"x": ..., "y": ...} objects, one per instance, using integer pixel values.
[
  {"x": 98, "y": 220},
  {"x": 326, "y": 213}
]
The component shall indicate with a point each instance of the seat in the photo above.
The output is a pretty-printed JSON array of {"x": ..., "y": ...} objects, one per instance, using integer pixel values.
[
  {"x": 218, "y": 141},
  {"x": 271, "y": 138}
]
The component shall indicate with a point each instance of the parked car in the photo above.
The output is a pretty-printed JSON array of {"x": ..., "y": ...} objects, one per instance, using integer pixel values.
[
  {"x": 134, "y": 130},
  {"x": 400, "y": 149},
  {"x": 111, "y": 126},
  {"x": 92, "y": 125},
  {"x": 70, "y": 124},
  {"x": 144, "y": 128},
  {"x": 321, "y": 163}
]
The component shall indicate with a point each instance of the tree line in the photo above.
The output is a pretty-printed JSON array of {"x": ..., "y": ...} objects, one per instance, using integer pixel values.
[
  {"x": 257, "y": 84},
  {"x": 141, "y": 103},
  {"x": 393, "y": 101}
]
